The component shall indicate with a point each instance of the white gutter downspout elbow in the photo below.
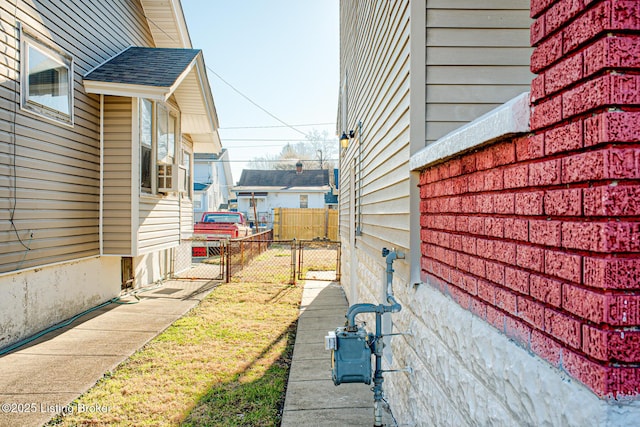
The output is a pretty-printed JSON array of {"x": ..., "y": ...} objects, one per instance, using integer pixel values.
[{"x": 101, "y": 203}]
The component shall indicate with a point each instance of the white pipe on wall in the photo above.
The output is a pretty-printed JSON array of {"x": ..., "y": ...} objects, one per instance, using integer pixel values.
[{"x": 101, "y": 203}]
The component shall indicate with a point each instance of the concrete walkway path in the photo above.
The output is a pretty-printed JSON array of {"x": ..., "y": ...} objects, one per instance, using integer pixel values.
[
  {"x": 42, "y": 378},
  {"x": 312, "y": 399}
]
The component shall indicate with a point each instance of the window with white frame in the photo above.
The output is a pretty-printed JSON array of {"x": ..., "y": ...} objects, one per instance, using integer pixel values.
[
  {"x": 159, "y": 132},
  {"x": 166, "y": 126},
  {"x": 186, "y": 164},
  {"x": 146, "y": 145},
  {"x": 46, "y": 83},
  {"x": 197, "y": 201},
  {"x": 304, "y": 201}
]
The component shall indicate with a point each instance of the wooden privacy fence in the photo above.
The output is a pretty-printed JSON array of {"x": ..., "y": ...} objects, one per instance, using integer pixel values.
[{"x": 305, "y": 224}]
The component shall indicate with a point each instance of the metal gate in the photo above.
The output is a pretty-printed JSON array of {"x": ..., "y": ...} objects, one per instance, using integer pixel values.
[
  {"x": 318, "y": 260},
  {"x": 259, "y": 258}
]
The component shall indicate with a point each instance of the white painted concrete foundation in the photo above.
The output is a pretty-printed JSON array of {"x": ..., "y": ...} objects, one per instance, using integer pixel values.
[
  {"x": 33, "y": 300},
  {"x": 466, "y": 373},
  {"x": 153, "y": 267}
]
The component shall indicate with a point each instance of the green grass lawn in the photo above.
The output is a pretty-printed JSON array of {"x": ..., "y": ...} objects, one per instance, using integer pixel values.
[{"x": 225, "y": 363}]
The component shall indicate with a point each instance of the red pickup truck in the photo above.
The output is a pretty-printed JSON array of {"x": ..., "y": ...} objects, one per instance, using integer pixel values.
[{"x": 215, "y": 226}]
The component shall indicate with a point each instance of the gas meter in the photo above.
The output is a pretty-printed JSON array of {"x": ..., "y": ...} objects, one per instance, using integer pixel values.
[
  {"x": 350, "y": 355},
  {"x": 352, "y": 347}
]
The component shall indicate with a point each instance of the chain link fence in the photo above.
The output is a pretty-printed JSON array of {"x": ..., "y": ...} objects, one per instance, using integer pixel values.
[
  {"x": 188, "y": 263},
  {"x": 259, "y": 258},
  {"x": 318, "y": 259}
]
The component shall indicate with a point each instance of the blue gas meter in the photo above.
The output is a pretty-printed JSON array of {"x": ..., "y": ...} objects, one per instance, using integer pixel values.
[{"x": 350, "y": 355}]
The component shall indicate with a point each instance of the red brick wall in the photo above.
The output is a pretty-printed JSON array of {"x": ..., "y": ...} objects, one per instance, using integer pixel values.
[{"x": 540, "y": 234}]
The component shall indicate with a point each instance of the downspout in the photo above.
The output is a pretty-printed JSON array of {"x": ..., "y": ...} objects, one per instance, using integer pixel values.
[
  {"x": 101, "y": 202},
  {"x": 359, "y": 220},
  {"x": 394, "y": 306},
  {"x": 392, "y": 256}
]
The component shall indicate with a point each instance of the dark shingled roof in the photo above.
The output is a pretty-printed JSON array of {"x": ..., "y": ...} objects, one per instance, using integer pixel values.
[
  {"x": 284, "y": 178},
  {"x": 145, "y": 66}
]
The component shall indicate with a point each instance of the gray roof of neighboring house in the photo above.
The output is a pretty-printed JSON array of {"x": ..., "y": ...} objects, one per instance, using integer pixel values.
[
  {"x": 145, "y": 66},
  {"x": 206, "y": 156},
  {"x": 199, "y": 186},
  {"x": 284, "y": 178}
]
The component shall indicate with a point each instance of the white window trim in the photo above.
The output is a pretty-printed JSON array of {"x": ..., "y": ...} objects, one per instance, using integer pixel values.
[
  {"x": 178, "y": 146},
  {"x": 28, "y": 40},
  {"x": 300, "y": 198},
  {"x": 188, "y": 150},
  {"x": 143, "y": 191}
]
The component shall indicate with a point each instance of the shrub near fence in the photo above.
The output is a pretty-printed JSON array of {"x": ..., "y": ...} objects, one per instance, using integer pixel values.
[{"x": 305, "y": 224}]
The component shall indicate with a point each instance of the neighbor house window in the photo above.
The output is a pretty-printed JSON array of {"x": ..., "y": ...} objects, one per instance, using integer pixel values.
[
  {"x": 46, "y": 80},
  {"x": 159, "y": 132},
  {"x": 304, "y": 201}
]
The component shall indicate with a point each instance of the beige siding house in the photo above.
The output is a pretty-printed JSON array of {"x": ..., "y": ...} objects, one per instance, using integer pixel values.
[
  {"x": 374, "y": 187},
  {"x": 103, "y": 105}
]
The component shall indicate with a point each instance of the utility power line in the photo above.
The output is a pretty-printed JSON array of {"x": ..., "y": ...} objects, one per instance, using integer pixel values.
[
  {"x": 276, "y": 126},
  {"x": 275, "y": 161},
  {"x": 233, "y": 87},
  {"x": 278, "y": 139}
]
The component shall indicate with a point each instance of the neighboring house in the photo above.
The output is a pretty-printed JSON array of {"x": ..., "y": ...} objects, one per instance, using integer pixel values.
[
  {"x": 104, "y": 105},
  {"x": 212, "y": 183},
  {"x": 517, "y": 212},
  {"x": 269, "y": 189}
]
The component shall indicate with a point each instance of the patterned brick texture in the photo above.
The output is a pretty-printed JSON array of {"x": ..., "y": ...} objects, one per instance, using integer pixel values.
[{"x": 539, "y": 234}]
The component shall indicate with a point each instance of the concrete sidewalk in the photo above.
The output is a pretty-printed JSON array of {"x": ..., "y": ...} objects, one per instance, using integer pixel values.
[
  {"x": 312, "y": 399},
  {"x": 42, "y": 378}
]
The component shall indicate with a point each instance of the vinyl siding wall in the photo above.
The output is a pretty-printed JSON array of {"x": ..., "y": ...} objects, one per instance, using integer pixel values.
[
  {"x": 477, "y": 58},
  {"x": 159, "y": 221},
  {"x": 56, "y": 189},
  {"x": 374, "y": 187},
  {"x": 117, "y": 176}
]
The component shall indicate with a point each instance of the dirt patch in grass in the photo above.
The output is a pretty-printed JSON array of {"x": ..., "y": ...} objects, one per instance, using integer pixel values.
[{"x": 226, "y": 363}]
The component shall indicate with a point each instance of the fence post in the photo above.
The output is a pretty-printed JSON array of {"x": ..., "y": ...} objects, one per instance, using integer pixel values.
[
  {"x": 300, "y": 258},
  {"x": 293, "y": 261},
  {"x": 228, "y": 257},
  {"x": 338, "y": 267},
  {"x": 326, "y": 223}
]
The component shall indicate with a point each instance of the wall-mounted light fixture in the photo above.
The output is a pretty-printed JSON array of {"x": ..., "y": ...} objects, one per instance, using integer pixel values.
[{"x": 344, "y": 139}]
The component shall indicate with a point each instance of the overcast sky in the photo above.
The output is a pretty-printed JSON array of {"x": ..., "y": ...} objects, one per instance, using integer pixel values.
[{"x": 283, "y": 55}]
